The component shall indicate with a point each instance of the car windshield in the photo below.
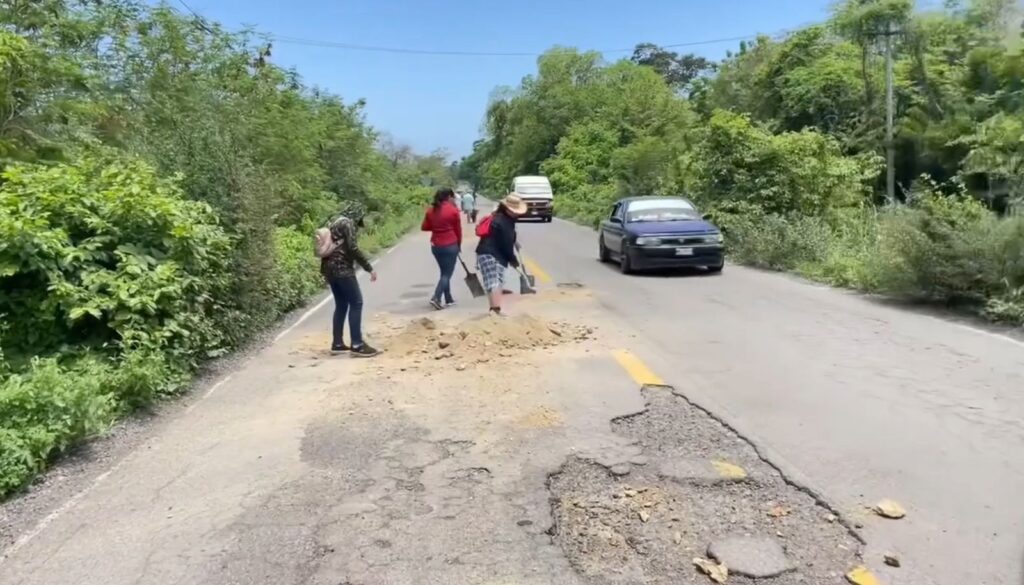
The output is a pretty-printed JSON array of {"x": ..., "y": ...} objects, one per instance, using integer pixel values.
[{"x": 661, "y": 210}]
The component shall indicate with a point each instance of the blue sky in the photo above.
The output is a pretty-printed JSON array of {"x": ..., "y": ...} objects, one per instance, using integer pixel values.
[{"x": 432, "y": 101}]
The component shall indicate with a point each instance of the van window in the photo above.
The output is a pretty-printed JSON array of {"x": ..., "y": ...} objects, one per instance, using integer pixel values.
[{"x": 533, "y": 189}]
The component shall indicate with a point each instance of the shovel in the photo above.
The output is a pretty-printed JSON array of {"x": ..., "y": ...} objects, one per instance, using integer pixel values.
[
  {"x": 473, "y": 281},
  {"x": 526, "y": 280}
]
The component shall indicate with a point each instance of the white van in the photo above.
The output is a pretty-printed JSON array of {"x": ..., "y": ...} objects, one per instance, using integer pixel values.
[{"x": 537, "y": 193}]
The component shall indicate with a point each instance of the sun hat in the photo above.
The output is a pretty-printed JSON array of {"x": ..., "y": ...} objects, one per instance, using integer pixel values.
[{"x": 515, "y": 204}]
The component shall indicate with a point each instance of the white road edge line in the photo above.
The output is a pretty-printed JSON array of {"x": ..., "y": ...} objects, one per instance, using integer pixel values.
[
  {"x": 45, "y": 522},
  {"x": 304, "y": 316},
  {"x": 73, "y": 500},
  {"x": 1016, "y": 342},
  {"x": 209, "y": 392}
]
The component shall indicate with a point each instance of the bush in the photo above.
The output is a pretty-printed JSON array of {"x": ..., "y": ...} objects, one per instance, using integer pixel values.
[
  {"x": 51, "y": 406},
  {"x": 769, "y": 240},
  {"x": 940, "y": 249},
  {"x": 104, "y": 253},
  {"x": 296, "y": 275}
]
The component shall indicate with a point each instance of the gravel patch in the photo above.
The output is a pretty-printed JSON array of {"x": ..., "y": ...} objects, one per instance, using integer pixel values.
[{"x": 648, "y": 526}]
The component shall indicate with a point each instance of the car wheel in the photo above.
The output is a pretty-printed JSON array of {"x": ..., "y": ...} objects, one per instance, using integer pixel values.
[
  {"x": 716, "y": 269},
  {"x": 625, "y": 265},
  {"x": 602, "y": 250}
]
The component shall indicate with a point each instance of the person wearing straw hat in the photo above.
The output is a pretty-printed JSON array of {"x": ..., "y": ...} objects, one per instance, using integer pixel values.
[{"x": 497, "y": 248}]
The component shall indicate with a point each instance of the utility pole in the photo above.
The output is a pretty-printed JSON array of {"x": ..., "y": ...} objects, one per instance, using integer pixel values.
[{"x": 890, "y": 151}]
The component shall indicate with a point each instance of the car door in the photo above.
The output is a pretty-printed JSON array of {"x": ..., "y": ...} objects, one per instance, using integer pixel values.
[{"x": 615, "y": 229}]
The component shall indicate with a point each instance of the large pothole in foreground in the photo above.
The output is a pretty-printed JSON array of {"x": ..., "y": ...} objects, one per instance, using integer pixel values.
[{"x": 702, "y": 486}]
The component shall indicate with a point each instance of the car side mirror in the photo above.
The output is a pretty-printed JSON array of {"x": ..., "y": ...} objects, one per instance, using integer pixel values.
[
  {"x": 705, "y": 217},
  {"x": 614, "y": 219}
]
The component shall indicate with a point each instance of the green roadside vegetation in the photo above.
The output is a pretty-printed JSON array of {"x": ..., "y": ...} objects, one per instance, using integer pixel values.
[
  {"x": 160, "y": 181},
  {"x": 783, "y": 144}
]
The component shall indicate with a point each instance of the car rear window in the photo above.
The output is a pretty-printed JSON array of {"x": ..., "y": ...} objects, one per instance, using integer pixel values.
[{"x": 661, "y": 210}]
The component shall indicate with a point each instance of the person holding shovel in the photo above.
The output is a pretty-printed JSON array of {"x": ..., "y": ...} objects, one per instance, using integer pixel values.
[
  {"x": 497, "y": 248},
  {"x": 444, "y": 222}
]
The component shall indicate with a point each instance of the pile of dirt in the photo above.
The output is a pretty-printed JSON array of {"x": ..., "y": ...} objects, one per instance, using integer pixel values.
[{"x": 483, "y": 338}]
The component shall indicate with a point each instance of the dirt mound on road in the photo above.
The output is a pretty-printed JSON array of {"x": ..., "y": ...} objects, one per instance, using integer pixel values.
[{"x": 483, "y": 338}]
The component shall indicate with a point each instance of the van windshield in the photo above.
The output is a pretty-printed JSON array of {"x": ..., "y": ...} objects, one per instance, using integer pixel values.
[{"x": 533, "y": 189}]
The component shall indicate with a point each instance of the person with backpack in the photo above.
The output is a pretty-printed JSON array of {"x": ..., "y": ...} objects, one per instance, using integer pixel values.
[
  {"x": 337, "y": 246},
  {"x": 444, "y": 222},
  {"x": 497, "y": 248}
]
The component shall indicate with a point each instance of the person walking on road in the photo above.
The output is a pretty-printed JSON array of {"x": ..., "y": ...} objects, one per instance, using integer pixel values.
[
  {"x": 339, "y": 269},
  {"x": 469, "y": 207},
  {"x": 444, "y": 222},
  {"x": 497, "y": 248}
]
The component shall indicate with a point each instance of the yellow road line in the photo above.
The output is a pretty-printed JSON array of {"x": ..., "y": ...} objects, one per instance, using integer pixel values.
[
  {"x": 637, "y": 370},
  {"x": 729, "y": 470},
  {"x": 862, "y": 576},
  {"x": 535, "y": 269}
]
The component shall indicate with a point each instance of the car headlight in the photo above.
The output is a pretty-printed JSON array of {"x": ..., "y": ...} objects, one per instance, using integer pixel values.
[
  {"x": 648, "y": 241},
  {"x": 714, "y": 239}
]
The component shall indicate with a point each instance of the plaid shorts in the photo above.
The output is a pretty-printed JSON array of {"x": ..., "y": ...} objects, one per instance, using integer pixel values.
[{"x": 491, "y": 273}]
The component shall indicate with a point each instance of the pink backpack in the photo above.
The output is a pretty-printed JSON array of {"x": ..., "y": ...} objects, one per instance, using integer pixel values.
[{"x": 323, "y": 243}]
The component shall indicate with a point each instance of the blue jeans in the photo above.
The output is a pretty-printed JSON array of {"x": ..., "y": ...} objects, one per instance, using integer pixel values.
[
  {"x": 446, "y": 257},
  {"x": 348, "y": 300}
]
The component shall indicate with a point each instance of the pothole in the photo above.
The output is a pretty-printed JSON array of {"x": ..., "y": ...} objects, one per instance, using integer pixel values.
[{"x": 649, "y": 525}]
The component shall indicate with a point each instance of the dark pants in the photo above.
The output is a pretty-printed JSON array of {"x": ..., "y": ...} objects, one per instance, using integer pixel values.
[
  {"x": 348, "y": 300},
  {"x": 446, "y": 257}
]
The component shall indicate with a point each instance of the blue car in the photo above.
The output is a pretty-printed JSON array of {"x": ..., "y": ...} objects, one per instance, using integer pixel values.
[{"x": 660, "y": 232}]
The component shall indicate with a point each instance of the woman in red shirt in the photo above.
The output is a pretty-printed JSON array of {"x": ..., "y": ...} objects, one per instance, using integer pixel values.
[{"x": 444, "y": 223}]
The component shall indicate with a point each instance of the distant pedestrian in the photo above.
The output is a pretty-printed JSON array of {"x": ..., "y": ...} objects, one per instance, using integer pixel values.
[
  {"x": 339, "y": 269},
  {"x": 444, "y": 222},
  {"x": 497, "y": 248},
  {"x": 469, "y": 207}
]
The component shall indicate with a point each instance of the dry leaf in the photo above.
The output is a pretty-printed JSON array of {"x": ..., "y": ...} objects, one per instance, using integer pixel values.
[
  {"x": 862, "y": 576},
  {"x": 779, "y": 512},
  {"x": 890, "y": 509},
  {"x": 717, "y": 573}
]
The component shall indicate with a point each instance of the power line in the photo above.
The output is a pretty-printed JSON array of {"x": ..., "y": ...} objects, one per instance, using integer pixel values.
[{"x": 411, "y": 51}]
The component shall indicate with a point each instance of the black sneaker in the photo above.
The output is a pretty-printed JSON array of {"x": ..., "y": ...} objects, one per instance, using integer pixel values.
[
  {"x": 339, "y": 349},
  {"x": 436, "y": 304},
  {"x": 449, "y": 305},
  {"x": 364, "y": 351}
]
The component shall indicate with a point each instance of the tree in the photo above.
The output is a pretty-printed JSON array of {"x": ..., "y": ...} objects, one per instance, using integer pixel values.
[{"x": 677, "y": 70}]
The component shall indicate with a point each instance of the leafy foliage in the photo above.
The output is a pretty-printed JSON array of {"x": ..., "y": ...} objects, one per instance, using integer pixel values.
[
  {"x": 160, "y": 179},
  {"x": 781, "y": 143}
]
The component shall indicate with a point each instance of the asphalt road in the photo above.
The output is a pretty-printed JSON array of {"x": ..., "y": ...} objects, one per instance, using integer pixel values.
[
  {"x": 298, "y": 468},
  {"x": 860, "y": 399}
]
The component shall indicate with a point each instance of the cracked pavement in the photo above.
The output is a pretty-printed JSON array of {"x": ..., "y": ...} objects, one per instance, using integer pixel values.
[{"x": 790, "y": 408}]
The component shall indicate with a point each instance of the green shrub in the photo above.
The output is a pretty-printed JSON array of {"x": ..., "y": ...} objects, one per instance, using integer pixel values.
[
  {"x": 102, "y": 252},
  {"x": 850, "y": 251},
  {"x": 51, "y": 406},
  {"x": 296, "y": 274},
  {"x": 768, "y": 240}
]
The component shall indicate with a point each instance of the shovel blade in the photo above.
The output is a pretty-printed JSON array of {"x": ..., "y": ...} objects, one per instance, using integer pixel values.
[
  {"x": 475, "y": 287},
  {"x": 526, "y": 285}
]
